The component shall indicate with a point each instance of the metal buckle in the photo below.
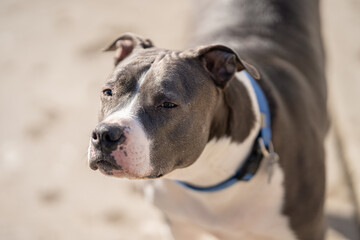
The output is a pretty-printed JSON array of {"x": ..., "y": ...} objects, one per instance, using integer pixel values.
[{"x": 270, "y": 157}]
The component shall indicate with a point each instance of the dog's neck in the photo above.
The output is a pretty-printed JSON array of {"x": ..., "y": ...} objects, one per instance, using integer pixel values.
[{"x": 222, "y": 157}]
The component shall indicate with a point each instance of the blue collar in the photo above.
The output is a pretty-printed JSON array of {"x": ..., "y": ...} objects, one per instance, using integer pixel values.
[{"x": 248, "y": 169}]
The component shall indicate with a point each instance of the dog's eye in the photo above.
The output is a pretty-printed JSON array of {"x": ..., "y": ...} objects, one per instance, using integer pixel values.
[
  {"x": 107, "y": 92},
  {"x": 168, "y": 105}
]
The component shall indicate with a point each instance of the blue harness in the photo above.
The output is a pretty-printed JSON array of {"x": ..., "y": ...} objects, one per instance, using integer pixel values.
[{"x": 262, "y": 148}]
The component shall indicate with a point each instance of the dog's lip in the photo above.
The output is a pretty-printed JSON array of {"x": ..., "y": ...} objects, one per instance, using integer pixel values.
[
  {"x": 155, "y": 176},
  {"x": 101, "y": 162},
  {"x": 106, "y": 165},
  {"x": 93, "y": 165}
]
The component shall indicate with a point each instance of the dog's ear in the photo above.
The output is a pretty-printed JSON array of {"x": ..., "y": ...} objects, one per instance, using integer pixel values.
[
  {"x": 125, "y": 44},
  {"x": 222, "y": 63}
]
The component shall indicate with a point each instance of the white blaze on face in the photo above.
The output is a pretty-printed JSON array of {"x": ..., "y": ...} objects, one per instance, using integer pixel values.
[{"x": 133, "y": 156}]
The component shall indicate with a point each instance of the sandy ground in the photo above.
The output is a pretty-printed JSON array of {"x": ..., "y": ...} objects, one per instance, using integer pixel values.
[{"x": 51, "y": 72}]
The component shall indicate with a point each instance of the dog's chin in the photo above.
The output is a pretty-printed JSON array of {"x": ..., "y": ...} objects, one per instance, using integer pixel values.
[
  {"x": 119, "y": 174},
  {"x": 108, "y": 166},
  {"x": 112, "y": 170}
]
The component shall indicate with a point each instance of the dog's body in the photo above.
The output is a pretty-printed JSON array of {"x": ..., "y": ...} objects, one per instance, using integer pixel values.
[{"x": 187, "y": 116}]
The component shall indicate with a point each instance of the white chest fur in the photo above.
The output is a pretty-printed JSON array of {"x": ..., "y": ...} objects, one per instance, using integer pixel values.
[{"x": 247, "y": 210}]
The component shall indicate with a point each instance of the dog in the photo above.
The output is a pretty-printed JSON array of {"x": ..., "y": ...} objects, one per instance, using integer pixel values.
[{"x": 229, "y": 132}]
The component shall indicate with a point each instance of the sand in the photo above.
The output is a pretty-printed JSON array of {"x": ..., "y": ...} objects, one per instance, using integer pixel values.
[{"x": 52, "y": 69}]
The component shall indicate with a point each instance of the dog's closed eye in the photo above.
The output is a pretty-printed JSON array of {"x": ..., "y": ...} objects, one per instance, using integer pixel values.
[{"x": 168, "y": 105}]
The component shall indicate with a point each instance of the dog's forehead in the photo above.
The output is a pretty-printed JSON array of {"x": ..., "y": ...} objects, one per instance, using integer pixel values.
[
  {"x": 162, "y": 65},
  {"x": 133, "y": 65}
]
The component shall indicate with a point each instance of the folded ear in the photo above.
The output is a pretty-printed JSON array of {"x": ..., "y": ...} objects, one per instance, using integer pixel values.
[
  {"x": 125, "y": 44},
  {"x": 222, "y": 63}
]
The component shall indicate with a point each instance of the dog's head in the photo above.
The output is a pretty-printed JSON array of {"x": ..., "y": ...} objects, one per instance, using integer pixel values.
[{"x": 159, "y": 108}]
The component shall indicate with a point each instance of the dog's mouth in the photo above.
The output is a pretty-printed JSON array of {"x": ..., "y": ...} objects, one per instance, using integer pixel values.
[
  {"x": 105, "y": 165},
  {"x": 102, "y": 163},
  {"x": 108, "y": 168}
]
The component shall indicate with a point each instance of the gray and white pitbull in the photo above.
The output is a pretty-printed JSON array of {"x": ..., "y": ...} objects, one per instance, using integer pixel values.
[{"x": 193, "y": 116}]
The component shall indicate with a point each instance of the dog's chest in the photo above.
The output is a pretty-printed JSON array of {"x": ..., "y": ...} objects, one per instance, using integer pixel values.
[{"x": 247, "y": 210}]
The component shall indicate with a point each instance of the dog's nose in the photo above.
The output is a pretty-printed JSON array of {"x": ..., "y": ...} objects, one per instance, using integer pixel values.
[{"x": 108, "y": 136}]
